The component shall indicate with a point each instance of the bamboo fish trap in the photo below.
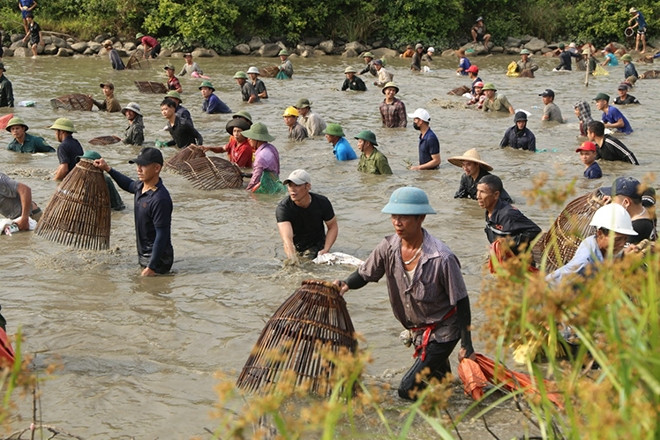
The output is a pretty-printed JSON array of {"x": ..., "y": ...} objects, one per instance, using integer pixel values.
[
  {"x": 270, "y": 71},
  {"x": 105, "y": 140},
  {"x": 73, "y": 101},
  {"x": 78, "y": 214},
  {"x": 211, "y": 173},
  {"x": 175, "y": 164},
  {"x": 136, "y": 61},
  {"x": 151, "y": 87},
  {"x": 568, "y": 231},
  {"x": 314, "y": 317}
]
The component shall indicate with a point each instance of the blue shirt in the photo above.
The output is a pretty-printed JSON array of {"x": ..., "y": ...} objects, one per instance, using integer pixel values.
[
  {"x": 613, "y": 115},
  {"x": 641, "y": 21},
  {"x": 593, "y": 171},
  {"x": 587, "y": 255},
  {"x": 343, "y": 150},
  {"x": 464, "y": 64},
  {"x": 428, "y": 145},
  {"x": 213, "y": 104}
]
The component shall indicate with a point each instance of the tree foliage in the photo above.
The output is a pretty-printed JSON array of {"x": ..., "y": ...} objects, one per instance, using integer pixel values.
[{"x": 219, "y": 24}]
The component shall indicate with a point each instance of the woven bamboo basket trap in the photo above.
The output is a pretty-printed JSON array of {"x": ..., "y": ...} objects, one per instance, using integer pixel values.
[
  {"x": 78, "y": 214},
  {"x": 73, "y": 101},
  {"x": 568, "y": 231},
  {"x": 270, "y": 71},
  {"x": 211, "y": 173},
  {"x": 151, "y": 87},
  {"x": 137, "y": 61},
  {"x": 175, "y": 164},
  {"x": 313, "y": 318}
]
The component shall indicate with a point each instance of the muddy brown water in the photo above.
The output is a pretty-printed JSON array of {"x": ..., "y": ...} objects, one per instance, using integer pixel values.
[{"x": 138, "y": 355}]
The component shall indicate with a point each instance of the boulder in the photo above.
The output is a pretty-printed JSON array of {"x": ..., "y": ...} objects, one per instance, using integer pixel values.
[
  {"x": 50, "y": 49},
  {"x": 58, "y": 42},
  {"x": 350, "y": 53},
  {"x": 547, "y": 49},
  {"x": 313, "y": 41},
  {"x": 17, "y": 44},
  {"x": 22, "y": 52},
  {"x": 327, "y": 46},
  {"x": 89, "y": 52},
  {"x": 9, "y": 52},
  {"x": 79, "y": 47},
  {"x": 448, "y": 53},
  {"x": 497, "y": 49},
  {"x": 241, "y": 49},
  {"x": 177, "y": 55},
  {"x": 269, "y": 50},
  {"x": 16, "y": 37},
  {"x": 130, "y": 46},
  {"x": 64, "y": 52},
  {"x": 356, "y": 46},
  {"x": 535, "y": 44},
  {"x": 95, "y": 46},
  {"x": 122, "y": 53},
  {"x": 300, "y": 48},
  {"x": 526, "y": 39},
  {"x": 512, "y": 42},
  {"x": 318, "y": 53},
  {"x": 102, "y": 37},
  {"x": 384, "y": 52},
  {"x": 307, "y": 53},
  {"x": 201, "y": 52},
  {"x": 255, "y": 43},
  {"x": 165, "y": 53}
]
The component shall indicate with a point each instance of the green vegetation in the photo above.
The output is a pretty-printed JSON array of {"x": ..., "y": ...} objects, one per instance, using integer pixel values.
[{"x": 220, "y": 24}]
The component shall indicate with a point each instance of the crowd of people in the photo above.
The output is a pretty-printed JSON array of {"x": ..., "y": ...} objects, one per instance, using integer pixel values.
[{"x": 424, "y": 279}]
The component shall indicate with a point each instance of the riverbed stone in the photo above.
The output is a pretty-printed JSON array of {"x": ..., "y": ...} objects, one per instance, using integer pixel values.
[
  {"x": 448, "y": 53},
  {"x": 512, "y": 42},
  {"x": 269, "y": 50},
  {"x": 384, "y": 52},
  {"x": 89, "y": 52},
  {"x": 350, "y": 53},
  {"x": 94, "y": 46},
  {"x": 130, "y": 46},
  {"x": 241, "y": 49},
  {"x": 79, "y": 47},
  {"x": 22, "y": 52},
  {"x": 312, "y": 41},
  {"x": 64, "y": 52},
  {"x": 204, "y": 53},
  {"x": 327, "y": 46},
  {"x": 50, "y": 49},
  {"x": 165, "y": 53},
  {"x": 535, "y": 44},
  {"x": 356, "y": 46},
  {"x": 57, "y": 41},
  {"x": 255, "y": 43},
  {"x": 17, "y": 44},
  {"x": 9, "y": 52},
  {"x": 497, "y": 49},
  {"x": 16, "y": 37}
]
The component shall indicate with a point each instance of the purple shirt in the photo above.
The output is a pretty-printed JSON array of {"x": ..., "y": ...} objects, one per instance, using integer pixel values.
[{"x": 266, "y": 158}]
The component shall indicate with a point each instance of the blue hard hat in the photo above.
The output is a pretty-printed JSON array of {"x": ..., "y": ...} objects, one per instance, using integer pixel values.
[{"x": 408, "y": 201}]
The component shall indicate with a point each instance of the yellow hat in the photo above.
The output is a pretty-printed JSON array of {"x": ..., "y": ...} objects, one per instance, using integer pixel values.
[{"x": 290, "y": 111}]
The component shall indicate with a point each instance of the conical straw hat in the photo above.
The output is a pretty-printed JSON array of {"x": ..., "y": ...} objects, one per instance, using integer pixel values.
[{"x": 471, "y": 155}]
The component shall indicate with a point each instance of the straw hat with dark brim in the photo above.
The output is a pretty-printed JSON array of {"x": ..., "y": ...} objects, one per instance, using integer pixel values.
[
  {"x": 471, "y": 155},
  {"x": 238, "y": 122}
]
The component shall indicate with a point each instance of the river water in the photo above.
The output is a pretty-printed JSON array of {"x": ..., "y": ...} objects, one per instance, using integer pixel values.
[{"x": 138, "y": 355}]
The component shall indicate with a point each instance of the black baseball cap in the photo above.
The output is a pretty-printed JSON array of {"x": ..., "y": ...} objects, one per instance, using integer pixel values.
[
  {"x": 148, "y": 156},
  {"x": 547, "y": 92}
]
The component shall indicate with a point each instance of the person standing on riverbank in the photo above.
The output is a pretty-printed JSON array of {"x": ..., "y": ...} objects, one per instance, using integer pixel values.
[
  {"x": 115, "y": 59},
  {"x": 371, "y": 161},
  {"x": 285, "y": 68},
  {"x": 150, "y": 46},
  {"x": 258, "y": 84},
  {"x": 135, "y": 131},
  {"x": 353, "y": 82},
  {"x": 301, "y": 217},
  {"x": 342, "y": 150},
  {"x": 428, "y": 146},
  {"x": 612, "y": 116},
  {"x": 212, "y": 104},
  {"x": 640, "y": 24},
  {"x": 173, "y": 82},
  {"x": 34, "y": 34},
  {"x": 392, "y": 109},
  {"x": 69, "y": 150},
  {"x": 153, "y": 210},
  {"x": 110, "y": 103},
  {"x": 26, "y": 7},
  {"x": 426, "y": 289},
  {"x": 609, "y": 147},
  {"x": 24, "y": 142}
]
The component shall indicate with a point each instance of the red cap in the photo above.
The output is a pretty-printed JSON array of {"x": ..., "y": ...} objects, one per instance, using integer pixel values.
[
  {"x": 473, "y": 69},
  {"x": 586, "y": 146}
]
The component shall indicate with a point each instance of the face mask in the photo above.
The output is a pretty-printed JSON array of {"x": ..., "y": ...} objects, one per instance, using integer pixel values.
[{"x": 415, "y": 126}]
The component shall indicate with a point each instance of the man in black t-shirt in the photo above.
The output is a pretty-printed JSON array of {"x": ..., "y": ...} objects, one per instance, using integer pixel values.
[{"x": 301, "y": 217}]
